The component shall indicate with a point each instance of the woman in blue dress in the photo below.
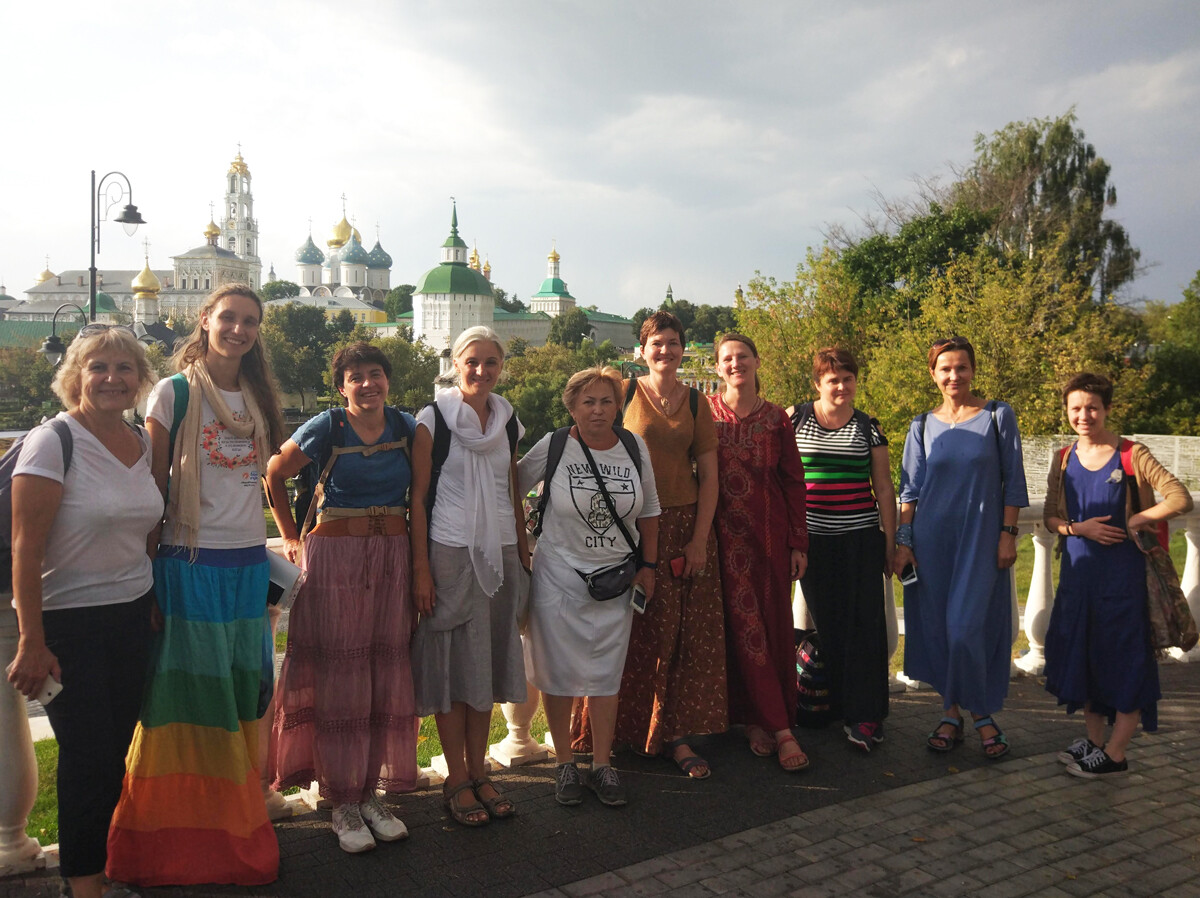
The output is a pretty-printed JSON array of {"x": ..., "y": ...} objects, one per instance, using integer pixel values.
[
  {"x": 1098, "y": 651},
  {"x": 962, "y": 486}
]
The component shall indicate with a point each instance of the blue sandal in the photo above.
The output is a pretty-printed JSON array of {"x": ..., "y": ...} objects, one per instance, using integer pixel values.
[
  {"x": 945, "y": 742},
  {"x": 991, "y": 742}
]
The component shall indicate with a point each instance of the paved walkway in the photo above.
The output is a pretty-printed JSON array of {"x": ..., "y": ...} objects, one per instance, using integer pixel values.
[{"x": 900, "y": 821}]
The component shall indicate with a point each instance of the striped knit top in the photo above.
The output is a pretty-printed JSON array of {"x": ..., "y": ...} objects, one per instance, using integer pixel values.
[{"x": 837, "y": 471}]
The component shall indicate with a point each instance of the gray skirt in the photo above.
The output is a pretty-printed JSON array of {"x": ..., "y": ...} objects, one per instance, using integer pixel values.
[{"x": 469, "y": 649}]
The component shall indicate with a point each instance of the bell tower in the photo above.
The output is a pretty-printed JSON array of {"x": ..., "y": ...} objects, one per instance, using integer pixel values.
[{"x": 239, "y": 228}]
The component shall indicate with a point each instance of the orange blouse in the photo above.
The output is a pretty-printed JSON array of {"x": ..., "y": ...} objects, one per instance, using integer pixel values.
[{"x": 673, "y": 442}]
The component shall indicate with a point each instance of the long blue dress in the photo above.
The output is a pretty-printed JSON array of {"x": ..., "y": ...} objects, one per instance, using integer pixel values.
[
  {"x": 958, "y": 616},
  {"x": 1098, "y": 644}
]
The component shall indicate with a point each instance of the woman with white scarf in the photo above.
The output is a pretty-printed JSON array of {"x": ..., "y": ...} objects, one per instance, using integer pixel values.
[
  {"x": 191, "y": 810},
  {"x": 470, "y": 564}
]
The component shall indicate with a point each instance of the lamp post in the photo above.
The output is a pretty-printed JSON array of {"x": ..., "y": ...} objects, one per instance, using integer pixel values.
[
  {"x": 54, "y": 347},
  {"x": 129, "y": 217}
]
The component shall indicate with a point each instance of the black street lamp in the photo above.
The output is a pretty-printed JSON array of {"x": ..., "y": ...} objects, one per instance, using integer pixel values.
[
  {"x": 129, "y": 217},
  {"x": 54, "y": 347}
]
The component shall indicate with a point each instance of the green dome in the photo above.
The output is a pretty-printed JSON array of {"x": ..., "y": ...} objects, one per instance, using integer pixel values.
[
  {"x": 309, "y": 254},
  {"x": 104, "y": 303},
  {"x": 354, "y": 253},
  {"x": 454, "y": 277},
  {"x": 379, "y": 257},
  {"x": 553, "y": 287}
]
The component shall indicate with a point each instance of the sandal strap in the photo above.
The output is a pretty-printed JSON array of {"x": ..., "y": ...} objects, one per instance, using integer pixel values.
[{"x": 985, "y": 722}]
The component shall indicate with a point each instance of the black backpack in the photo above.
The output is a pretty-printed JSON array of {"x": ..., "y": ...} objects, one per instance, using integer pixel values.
[
  {"x": 7, "y": 463},
  {"x": 558, "y": 442},
  {"x": 441, "y": 449}
]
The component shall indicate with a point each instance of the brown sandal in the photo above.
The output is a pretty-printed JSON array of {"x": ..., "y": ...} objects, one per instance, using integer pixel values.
[
  {"x": 462, "y": 813},
  {"x": 495, "y": 806},
  {"x": 783, "y": 762}
]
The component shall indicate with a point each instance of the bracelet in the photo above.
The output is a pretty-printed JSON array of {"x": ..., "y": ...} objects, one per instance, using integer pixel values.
[
  {"x": 904, "y": 535},
  {"x": 1010, "y": 529},
  {"x": 652, "y": 565},
  {"x": 1070, "y": 532}
]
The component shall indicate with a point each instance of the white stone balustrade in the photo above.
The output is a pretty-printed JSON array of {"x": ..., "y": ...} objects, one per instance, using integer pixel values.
[{"x": 18, "y": 768}]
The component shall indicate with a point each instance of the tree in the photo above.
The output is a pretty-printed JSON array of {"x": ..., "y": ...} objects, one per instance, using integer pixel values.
[
  {"x": 640, "y": 316},
  {"x": 298, "y": 343},
  {"x": 504, "y": 302},
  {"x": 343, "y": 323},
  {"x": 398, "y": 301},
  {"x": 569, "y": 329},
  {"x": 517, "y": 346},
  {"x": 710, "y": 322},
  {"x": 1041, "y": 178},
  {"x": 278, "y": 290},
  {"x": 1172, "y": 369}
]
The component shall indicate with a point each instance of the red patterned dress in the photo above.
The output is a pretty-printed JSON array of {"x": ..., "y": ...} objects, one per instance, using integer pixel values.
[{"x": 760, "y": 519}]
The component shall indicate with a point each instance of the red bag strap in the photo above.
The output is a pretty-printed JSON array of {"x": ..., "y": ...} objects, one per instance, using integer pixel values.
[{"x": 1126, "y": 450}]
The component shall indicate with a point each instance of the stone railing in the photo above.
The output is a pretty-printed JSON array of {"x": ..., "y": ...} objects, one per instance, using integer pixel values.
[{"x": 18, "y": 769}]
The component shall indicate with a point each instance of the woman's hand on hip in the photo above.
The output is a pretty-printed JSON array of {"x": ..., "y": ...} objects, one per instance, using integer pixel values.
[
  {"x": 1097, "y": 530},
  {"x": 423, "y": 592},
  {"x": 799, "y": 564},
  {"x": 31, "y": 667}
]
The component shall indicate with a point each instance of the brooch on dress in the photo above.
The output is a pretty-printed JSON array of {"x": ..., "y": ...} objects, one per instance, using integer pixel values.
[{"x": 1116, "y": 476}]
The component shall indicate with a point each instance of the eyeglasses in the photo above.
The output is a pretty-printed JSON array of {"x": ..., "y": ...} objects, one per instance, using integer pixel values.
[{"x": 91, "y": 330}]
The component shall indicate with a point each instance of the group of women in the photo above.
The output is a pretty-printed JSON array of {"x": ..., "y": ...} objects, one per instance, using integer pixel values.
[{"x": 418, "y": 584}]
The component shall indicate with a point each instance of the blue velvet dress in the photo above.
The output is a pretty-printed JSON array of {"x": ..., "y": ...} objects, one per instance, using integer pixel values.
[
  {"x": 958, "y": 616},
  {"x": 1098, "y": 642}
]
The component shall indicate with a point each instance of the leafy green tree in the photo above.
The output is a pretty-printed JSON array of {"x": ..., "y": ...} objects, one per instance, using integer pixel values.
[
  {"x": 1042, "y": 182},
  {"x": 343, "y": 323},
  {"x": 569, "y": 329},
  {"x": 398, "y": 301},
  {"x": 516, "y": 346},
  {"x": 298, "y": 342},
  {"x": 507, "y": 303},
  {"x": 711, "y": 321},
  {"x": 278, "y": 290},
  {"x": 1172, "y": 368},
  {"x": 640, "y": 316}
]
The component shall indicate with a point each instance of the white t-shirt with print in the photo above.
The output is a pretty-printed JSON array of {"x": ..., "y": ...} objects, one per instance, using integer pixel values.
[
  {"x": 231, "y": 511},
  {"x": 96, "y": 547},
  {"x": 578, "y": 523}
]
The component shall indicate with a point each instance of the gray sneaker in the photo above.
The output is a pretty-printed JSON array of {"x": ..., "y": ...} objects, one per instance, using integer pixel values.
[
  {"x": 568, "y": 787},
  {"x": 607, "y": 786}
]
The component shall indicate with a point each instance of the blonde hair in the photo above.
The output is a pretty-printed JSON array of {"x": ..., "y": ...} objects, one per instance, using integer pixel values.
[
  {"x": 481, "y": 333},
  {"x": 255, "y": 370},
  {"x": 582, "y": 380},
  {"x": 68, "y": 379}
]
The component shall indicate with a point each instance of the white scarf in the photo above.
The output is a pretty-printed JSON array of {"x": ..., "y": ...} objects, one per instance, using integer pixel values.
[{"x": 481, "y": 511}]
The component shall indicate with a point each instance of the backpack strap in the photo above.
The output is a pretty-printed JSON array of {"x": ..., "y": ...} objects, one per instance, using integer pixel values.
[
  {"x": 441, "y": 450},
  {"x": 511, "y": 428},
  {"x": 631, "y": 446},
  {"x": 800, "y": 415},
  {"x": 179, "y": 385},
  {"x": 558, "y": 442},
  {"x": 694, "y": 401},
  {"x": 60, "y": 427}
]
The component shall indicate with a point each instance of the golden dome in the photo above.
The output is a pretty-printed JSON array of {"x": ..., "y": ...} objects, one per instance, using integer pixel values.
[
  {"x": 487, "y": 268},
  {"x": 341, "y": 234},
  {"x": 238, "y": 166},
  {"x": 554, "y": 256},
  {"x": 45, "y": 276},
  {"x": 146, "y": 283},
  {"x": 211, "y": 229},
  {"x": 474, "y": 263}
]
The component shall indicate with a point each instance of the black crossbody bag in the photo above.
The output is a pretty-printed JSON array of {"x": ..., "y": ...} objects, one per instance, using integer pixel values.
[{"x": 616, "y": 579}]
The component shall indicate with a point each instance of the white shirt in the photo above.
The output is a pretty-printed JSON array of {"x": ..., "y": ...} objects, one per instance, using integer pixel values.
[
  {"x": 96, "y": 548},
  {"x": 449, "y": 525},
  {"x": 577, "y": 523},
  {"x": 231, "y": 510}
]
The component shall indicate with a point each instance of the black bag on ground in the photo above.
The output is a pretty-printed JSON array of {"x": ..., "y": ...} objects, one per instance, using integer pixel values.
[{"x": 813, "y": 704}]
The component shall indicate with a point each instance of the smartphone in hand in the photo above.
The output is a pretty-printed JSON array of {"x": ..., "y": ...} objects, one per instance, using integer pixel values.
[
  {"x": 48, "y": 690},
  {"x": 637, "y": 601},
  {"x": 908, "y": 576}
]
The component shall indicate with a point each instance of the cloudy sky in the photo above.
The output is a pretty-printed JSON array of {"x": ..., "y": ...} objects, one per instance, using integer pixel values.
[{"x": 689, "y": 143}]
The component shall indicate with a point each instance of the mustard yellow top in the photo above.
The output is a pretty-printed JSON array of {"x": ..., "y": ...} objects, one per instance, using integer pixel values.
[{"x": 673, "y": 442}]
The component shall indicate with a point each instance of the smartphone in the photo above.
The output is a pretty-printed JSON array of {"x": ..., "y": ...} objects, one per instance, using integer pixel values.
[
  {"x": 48, "y": 690},
  {"x": 677, "y": 565},
  {"x": 637, "y": 601},
  {"x": 908, "y": 576}
]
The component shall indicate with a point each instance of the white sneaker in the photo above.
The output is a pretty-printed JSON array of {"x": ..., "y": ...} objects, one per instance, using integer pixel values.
[
  {"x": 386, "y": 826},
  {"x": 277, "y": 806},
  {"x": 352, "y": 832}
]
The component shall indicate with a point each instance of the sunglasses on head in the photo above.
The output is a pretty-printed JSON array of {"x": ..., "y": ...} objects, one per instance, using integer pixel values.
[{"x": 91, "y": 330}]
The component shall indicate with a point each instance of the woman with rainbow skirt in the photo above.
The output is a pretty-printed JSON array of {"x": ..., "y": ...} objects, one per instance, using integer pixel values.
[{"x": 191, "y": 808}]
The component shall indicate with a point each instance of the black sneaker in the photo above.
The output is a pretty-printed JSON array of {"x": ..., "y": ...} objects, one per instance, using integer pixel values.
[
  {"x": 607, "y": 786},
  {"x": 568, "y": 787},
  {"x": 864, "y": 735},
  {"x": 1077, "y": 750},
  {"x": 1098, "y": 764}
]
